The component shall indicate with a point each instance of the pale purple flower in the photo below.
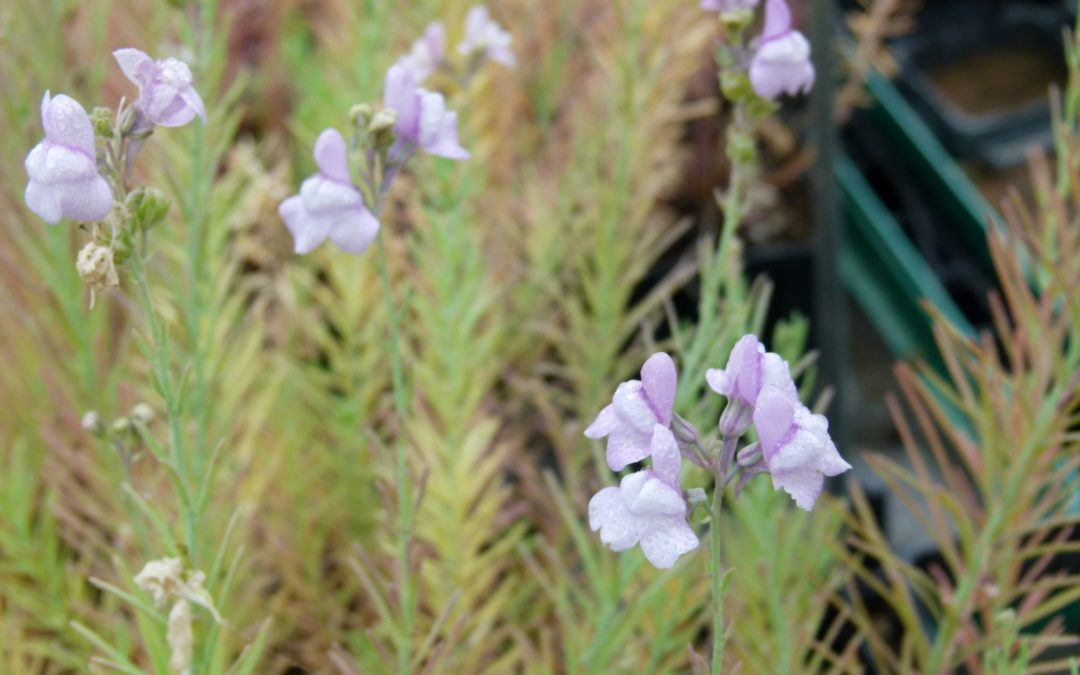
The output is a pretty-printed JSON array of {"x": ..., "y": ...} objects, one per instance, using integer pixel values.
[
  {"x": 647, "y": 508},
  {"x": 795, "y": 445},
  {"x": 166, "y": 97},
  {"x": 427, "y": 53},
  {"x": 781, "y": 63},
  {"x": 64, "y": 178},
  {"x": 422, "y": 118},
  {"x": 727, "y": 5},
  {"x": 638, "y": 406},
  {"x": 329, "y": 206},
  {"x": 749, "y": 369},
  {"x": 482, "y": 34}
]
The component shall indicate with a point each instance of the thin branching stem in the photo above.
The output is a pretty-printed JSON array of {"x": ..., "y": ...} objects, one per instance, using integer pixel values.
[{"x": 404, "y": 492}]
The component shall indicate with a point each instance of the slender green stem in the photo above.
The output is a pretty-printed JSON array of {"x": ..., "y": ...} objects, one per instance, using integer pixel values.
[
  {"x": 717, "y": 582},
  {"x": 716, "y": 572},
  {"x": 405, "y": 505},
  {"x": 161, "y": 367}
]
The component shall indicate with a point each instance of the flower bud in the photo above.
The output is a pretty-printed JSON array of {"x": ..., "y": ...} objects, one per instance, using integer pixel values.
[
  {"x": 735, "y": 85},
  {"x": 102, "y": 120},
  {"x": 383, "y": 120},
  {"x": 750, "y": 456},
  {"x": 741, "y": 149},
  {"x": 143, "y": 414},
  {"x": 736, "y": 20},
  {"x": 147, "y": 206},
  {"x": 121, "y": 426},
  {"x": 93, "y": 423},
  {"x": 382, "y": 128},
  {"x": 696, "y": 496},
  {"x": 361, "y": 115}
]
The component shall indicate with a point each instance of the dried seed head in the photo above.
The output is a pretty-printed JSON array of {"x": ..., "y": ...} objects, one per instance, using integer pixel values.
[{"x": 97, "y": 269}]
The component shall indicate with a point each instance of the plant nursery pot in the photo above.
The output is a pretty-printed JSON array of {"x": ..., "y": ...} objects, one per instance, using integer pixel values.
[{"x": 984, "y": 88}]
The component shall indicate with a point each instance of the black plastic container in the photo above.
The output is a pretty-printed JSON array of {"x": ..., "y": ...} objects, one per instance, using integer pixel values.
[{"x": 979, "y": 74}]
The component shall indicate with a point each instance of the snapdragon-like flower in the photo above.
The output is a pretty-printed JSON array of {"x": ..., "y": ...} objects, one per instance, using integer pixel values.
[
  {"x": 166, "y": 97},
  {"x": 638, "y": 406},
  {"x": 648, "y": 507},
  {"x": 422, "y": 118},
  {"x": 329, "y": 206},
  {"x": 64, "y": 179},
  {"x": 483, "y": 34},
  {"x": 427, "y": 53},
  {"x": 795, "y": 446},
  {"x": 781, "y": 64},
  {"x": 727, "y": 5},
  {"x": 749, "y": 369}
]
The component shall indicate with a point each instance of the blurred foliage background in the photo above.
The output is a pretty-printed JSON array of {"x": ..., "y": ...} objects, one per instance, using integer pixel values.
[{"x": 534, "y": 278}]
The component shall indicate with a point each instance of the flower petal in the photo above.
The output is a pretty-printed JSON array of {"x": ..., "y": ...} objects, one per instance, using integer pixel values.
[
  {"x": 774, "y": 416},
  {"x": 607, "y": 513},
  {"x": 666, "y": 540},
  {"x": 605, "y": 423},
  {"x": 332, "y": 156},
  {"x": 136, "y": 65},
  {"x": 625, "y": 446},
  {"x": 666, "y": 459},
  {"x": 660, "y": 381},
  {"x": 308, "y": 232},
  {"x": 656, "y": 498},
  {"x": 803, "y": 486},
  {"x": 66, "y": 123},
  {"x": 43, "y": 201},
  {"x": 446, "y": 143},
  {"x": 354, "y": 230},
  {"x": 85, "y": 200},
  {"x": 400, "y": 95},
  {"x": 777, "y": 19}
]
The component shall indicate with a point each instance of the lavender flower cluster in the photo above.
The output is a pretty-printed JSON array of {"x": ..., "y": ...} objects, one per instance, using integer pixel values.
[
  {"x": 330, "y": 205},
  {"x": 649, "y": 507},
  {"x": 781, "y": 59},
  {"x": 65, "y": 175}
]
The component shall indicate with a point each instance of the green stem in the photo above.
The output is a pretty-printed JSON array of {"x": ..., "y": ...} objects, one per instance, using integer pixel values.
[
  {"x": 719, "y": 577},
  {"x": 717, "y": 583},
  {"x": 161, "y": 367},
  {"x": 404, "y": 492}
]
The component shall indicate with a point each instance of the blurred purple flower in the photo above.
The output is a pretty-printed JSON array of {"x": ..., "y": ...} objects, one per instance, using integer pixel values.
[
  {"x": 422, "y": 118},
  {"x": 795, "y": 445},
  {"x": 638, "y": 405},
  {"x": 648, "y": 507},
  {"x": 482, "y": 34},
  {"x": 781, "y": 64},
  {"x": 727, "y": 5},
  {"x": 749, "y": 369},
  {"x": 427, "y": 53},
  {"x": 329, "y": 206},
  {"x": 166, "y": 97},
  {"x": 64, "y": 179}
]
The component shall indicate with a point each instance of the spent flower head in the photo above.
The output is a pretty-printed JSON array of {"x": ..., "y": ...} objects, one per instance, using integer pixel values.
[
  {"x": 636, "y": 407},
  {"x": 781, "y": 63},
  {"x": 329, "y": 205},
  {"x": 166, "y": 96},
  {"x": 63, "y": 170},
  {"x": 648, "y": 507}
]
